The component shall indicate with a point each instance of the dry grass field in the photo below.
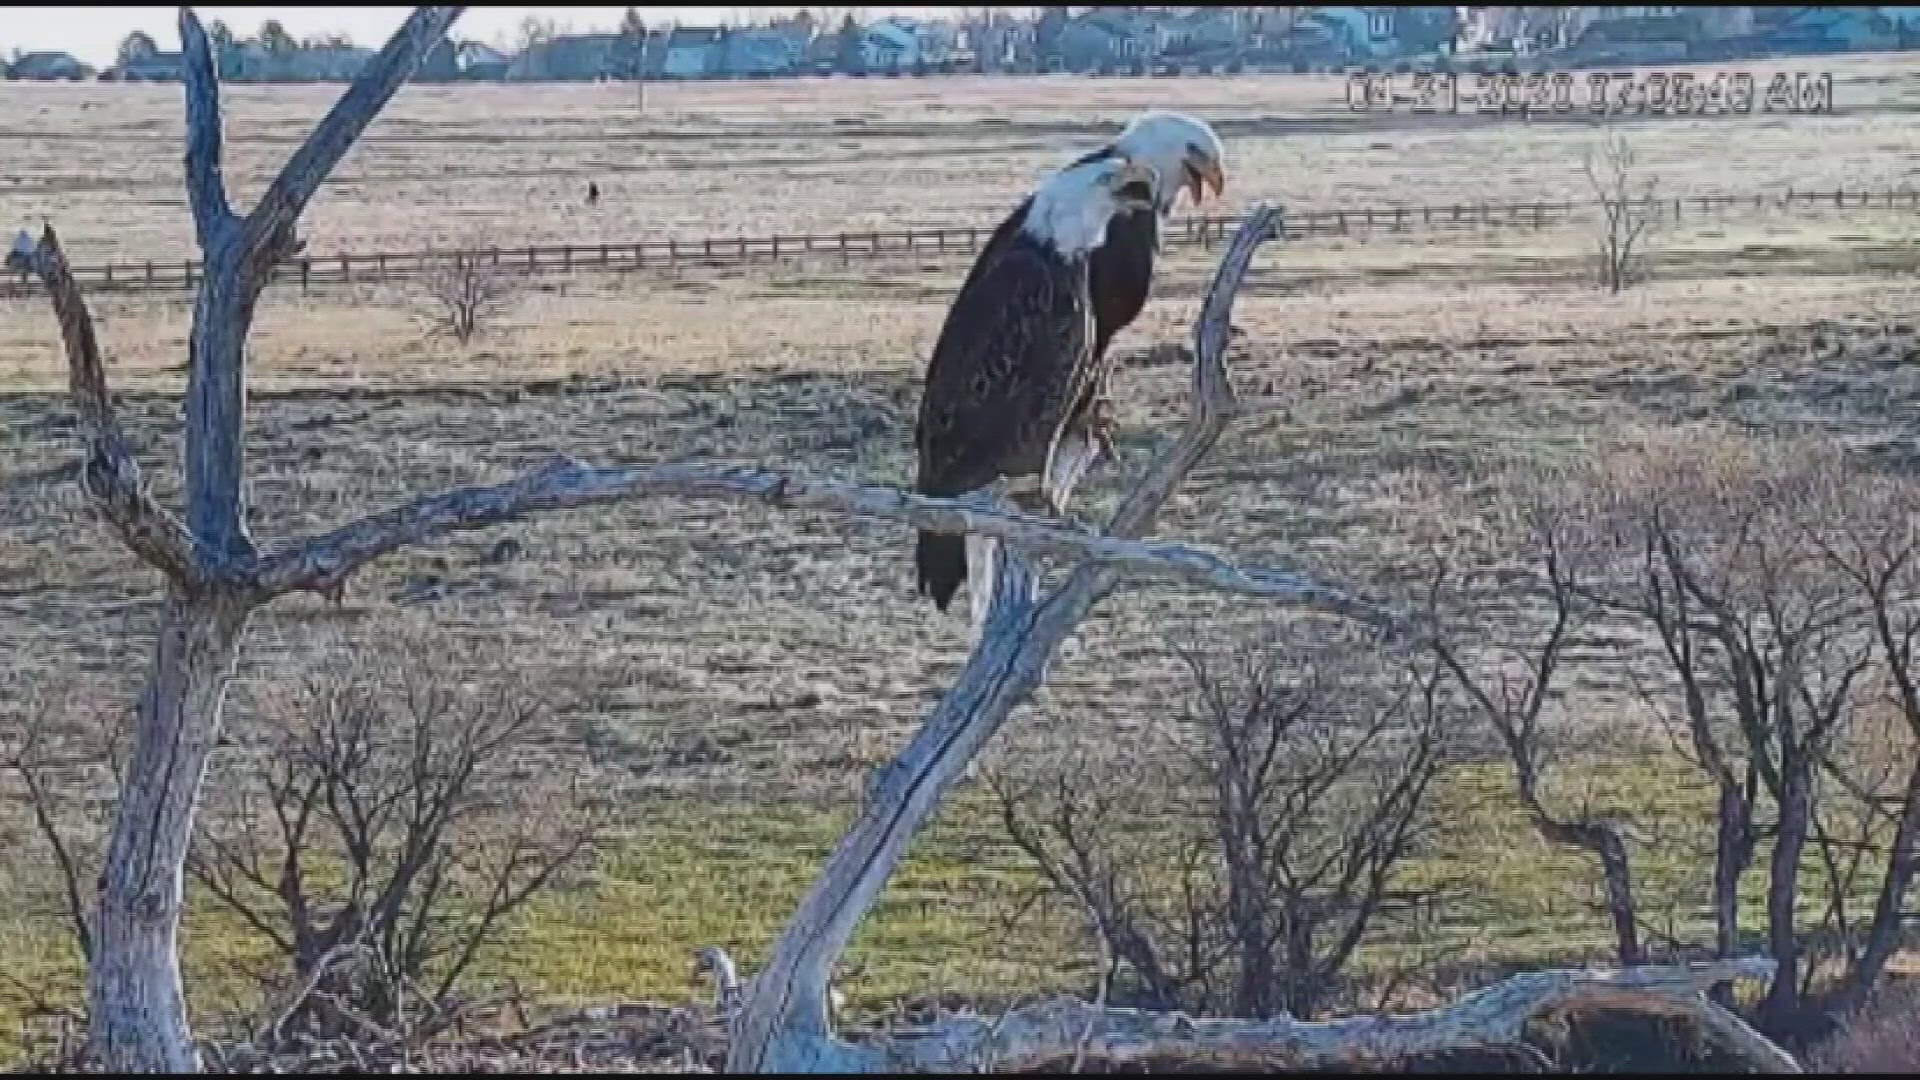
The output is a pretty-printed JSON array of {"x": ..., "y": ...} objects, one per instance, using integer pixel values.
[{"x": 728, "y": 675}]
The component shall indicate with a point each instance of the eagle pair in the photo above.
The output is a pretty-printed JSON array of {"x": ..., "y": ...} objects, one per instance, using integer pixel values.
[{"x": 1016, "y": 388}]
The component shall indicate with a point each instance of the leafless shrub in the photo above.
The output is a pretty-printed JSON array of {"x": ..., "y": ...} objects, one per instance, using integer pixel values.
[
  {"x": 379, "y": 832},
  {"x": 1881, "y": 1036},
  {"x": 463, "y": 293},
  {"x": 1233, "y": 863},
  {"x": 1629, "y": 214},
  {"x": 1509, "y": 676},
  {"x": 1775, "y": 581}
]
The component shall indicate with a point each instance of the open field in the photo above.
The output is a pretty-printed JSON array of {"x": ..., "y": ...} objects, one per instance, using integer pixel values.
[
  {"x": 508, "y": 165},
  {"x": 731, "y": 674}
]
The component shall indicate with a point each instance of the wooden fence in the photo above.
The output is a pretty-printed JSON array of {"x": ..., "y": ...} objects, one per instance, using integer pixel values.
[{"x": 156, "y": 275}]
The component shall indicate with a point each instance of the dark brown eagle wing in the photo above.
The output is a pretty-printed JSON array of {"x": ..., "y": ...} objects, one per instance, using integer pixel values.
[
  {"x": 1003, "y": 371},
  {"x": 1120, "y": 272}
]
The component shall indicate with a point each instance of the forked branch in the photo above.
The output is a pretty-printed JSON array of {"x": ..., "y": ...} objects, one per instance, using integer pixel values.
[
  {"x": 111, "y": 475},
  {"x": 323, "y": 562},
  {"x": 287, "y": 196},
  {"x": 784, "y": 1025}
]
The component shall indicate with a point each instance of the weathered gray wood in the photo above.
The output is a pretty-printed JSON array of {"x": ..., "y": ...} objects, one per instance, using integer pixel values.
[
  {"x": 137, "y": 1007},
  {"x": 206, "y": 189},
  {"x": 1491, "y": 1017},
  {"x": 321, "y": 563},
  {"x": 111, "y": 476},
  {"x": 784, "y": 1025}
]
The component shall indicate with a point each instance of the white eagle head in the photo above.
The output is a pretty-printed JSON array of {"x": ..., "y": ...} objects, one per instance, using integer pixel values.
[
  {"x": 1182, "y": 150},
  {"x": 1070, "y": 211}
]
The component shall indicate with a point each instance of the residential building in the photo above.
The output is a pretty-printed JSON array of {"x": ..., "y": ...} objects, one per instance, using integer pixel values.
[
  {"x": 890, "y": 44},
  {"x": 1109, "y": 38},
  {"x": 568, "y": 58},
  {"x": 49, "y": 67},
  {"x": 759, "y": 51},
  {"x": 692, "y": 52},
  {"x": 151, "y": 67},
  {"x": 478, "y": 62}
]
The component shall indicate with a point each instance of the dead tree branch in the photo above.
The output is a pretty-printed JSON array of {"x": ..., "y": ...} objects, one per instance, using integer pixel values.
[
  {"x": 1494, "y": 1016},
  {"x": 784, "y": 1025},
  {"x": 323, "y": 562}
]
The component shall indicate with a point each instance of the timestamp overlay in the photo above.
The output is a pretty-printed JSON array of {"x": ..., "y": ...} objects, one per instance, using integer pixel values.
[{"x": 1590, "y": 93}]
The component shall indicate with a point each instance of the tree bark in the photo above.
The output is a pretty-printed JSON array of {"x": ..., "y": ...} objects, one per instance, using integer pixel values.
[
  {"x": 1780, "y": 1009},
  {"x": 138, "y": 1007},
  {"x": 1883, "y": 934}
]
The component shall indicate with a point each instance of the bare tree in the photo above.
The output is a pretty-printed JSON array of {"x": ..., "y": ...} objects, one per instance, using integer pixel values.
[
  {"x": 1281, "y": 806},
  {"x": 1716, "y": 546},
  {"x": 1512, "y": 697},
  {"x": 1628, "y": 211},
  {"x": 464, "y": 292},
  {"x": 1877, "y": 553},
  {"x": 405, "y": 791}
]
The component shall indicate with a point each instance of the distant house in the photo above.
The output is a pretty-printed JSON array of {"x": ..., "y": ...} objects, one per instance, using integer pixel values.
[
  {"x": 760, "y": 51},
  {"x": 152, "y": 67},
  {"x": 480, "y": 62},
  {"x": 998, "y": 41},
  {"x": 1834, "y": 29},
  {"x": 328, "y": 63},
  {"x": 1372, "y": 33},
  {"x": 49, "y": 67},
  {"x": 891, "y": 44},
  {"x": 1635, "y": 39},
  {"x": 249, "y": 61},
  {"x": 692, "y": 52},
  {"x": 1107, "y": 38},
  {"x": 440, "y": 65},
  {"x": 1205, "y": 35},
  {"x": 569, "y": 58}
]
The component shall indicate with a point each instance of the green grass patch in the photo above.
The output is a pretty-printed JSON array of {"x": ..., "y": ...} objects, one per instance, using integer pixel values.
[{"x": 696, "y": 871}]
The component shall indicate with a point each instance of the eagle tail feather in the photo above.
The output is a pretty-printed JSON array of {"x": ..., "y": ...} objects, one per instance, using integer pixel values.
[{"x": 941, "y": 559}]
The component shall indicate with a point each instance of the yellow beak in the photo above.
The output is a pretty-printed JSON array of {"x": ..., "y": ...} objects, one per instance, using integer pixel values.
[{"x": 1202, "y": 173}]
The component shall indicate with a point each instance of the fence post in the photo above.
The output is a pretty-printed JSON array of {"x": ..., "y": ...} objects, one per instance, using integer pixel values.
[
  {"x": 186, "y": 269},
  {"x": 606, "y": 256},
  {"x": 532, "y": 257},
  {"x": 306, "y": 273}
]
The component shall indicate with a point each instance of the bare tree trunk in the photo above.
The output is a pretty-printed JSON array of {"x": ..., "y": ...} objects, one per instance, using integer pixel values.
[
  {"x": 1782, "y": 1004},
  {"x": 1617, "y": 872},
  {"x": 1883, "y": 934},
  {"x": 1732, "y": 854},
  {"x": 133, "y": 987}
]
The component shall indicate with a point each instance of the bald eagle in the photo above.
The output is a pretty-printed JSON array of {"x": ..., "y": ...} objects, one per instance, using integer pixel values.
[
  {"x": 1182, "y": 152},
  {"x": 1014, "y": 364},
  {"x": 1177, "y": 151}
]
